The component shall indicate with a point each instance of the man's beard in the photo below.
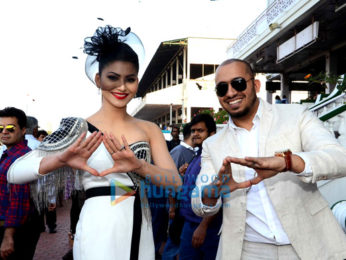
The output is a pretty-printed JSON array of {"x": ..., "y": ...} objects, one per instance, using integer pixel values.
[
  {"x": 246, "y": 110},
  {"x": 240, "y": 113}
]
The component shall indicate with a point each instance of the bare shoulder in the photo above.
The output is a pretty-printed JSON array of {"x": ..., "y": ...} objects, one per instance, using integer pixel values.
[
  {"x": 147, "y": 126},
  {"x": 150, "y": 128}
]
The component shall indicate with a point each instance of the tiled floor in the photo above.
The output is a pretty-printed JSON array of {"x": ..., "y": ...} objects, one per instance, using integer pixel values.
[{"x": 54, "y": 246}]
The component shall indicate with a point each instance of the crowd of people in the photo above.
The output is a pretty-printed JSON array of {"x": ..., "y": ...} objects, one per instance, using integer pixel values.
[{"x": 246, "y": 192}]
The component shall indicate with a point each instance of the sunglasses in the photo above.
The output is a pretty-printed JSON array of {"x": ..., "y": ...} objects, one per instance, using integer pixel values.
[
  {"x": 239, "y": 84},
  {"x": 9, "y": 128}
]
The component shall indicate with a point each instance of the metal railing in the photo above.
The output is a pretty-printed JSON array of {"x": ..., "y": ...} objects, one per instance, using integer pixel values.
[{"x": 273, "y": 11}]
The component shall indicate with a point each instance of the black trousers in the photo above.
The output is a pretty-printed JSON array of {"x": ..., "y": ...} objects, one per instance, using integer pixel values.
[
  {"x": 50, "y": 219},
  {"x": 78, "y": 198}
]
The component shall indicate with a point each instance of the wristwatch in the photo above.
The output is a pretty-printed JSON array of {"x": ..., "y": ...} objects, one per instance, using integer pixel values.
[{"x": 287, "y": 155}]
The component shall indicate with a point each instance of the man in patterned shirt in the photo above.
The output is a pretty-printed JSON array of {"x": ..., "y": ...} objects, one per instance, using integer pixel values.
[{"x": 14, "y": 199}]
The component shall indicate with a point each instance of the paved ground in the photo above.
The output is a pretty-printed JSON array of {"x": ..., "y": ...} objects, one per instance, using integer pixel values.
[{"x": 54, "y": 246}]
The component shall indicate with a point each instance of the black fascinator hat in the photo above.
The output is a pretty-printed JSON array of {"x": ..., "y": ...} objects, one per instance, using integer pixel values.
[{"x": 109, "y": 44}]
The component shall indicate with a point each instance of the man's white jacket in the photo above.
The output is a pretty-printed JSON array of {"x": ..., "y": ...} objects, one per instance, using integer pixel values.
[{"x": 304, "y": 214}]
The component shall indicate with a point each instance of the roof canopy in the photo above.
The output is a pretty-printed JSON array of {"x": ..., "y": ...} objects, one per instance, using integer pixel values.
[{"x": 165, "y": 52}]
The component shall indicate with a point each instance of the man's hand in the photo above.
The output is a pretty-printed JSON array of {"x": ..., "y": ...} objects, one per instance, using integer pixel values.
[
  {"x": 7, "y": 244},
  {"x": 183, "y": 168},
  {"x": 199, "y": 235},
  {"x": 51, "y": 207},
  {"x": 223, "y": 184},
  {"x": 77, "y": 155},
  {"x": 171, "y": 213},
  {"x": 225, "y": 177},
  {"x": 265, "y": 167},
  {"x": 172, "y": 207}
]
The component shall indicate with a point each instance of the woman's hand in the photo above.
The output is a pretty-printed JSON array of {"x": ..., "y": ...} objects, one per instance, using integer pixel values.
[
  {"x": 124, "y": 158},
  {"x": 77, "y": 155}
]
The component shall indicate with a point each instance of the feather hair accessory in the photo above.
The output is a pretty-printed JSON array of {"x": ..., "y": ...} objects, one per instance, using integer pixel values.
[{"x": 104, "y": 41}]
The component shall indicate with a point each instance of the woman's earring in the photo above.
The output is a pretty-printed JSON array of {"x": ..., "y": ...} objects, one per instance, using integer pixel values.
[{"x": 99, "y": 91}]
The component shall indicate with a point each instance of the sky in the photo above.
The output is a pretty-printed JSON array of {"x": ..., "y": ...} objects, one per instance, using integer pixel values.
[{"x": 39, "y": 37}]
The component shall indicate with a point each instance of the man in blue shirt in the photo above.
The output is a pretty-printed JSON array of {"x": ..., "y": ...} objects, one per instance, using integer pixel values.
[
  {"x": 182, "y": 155},
  {"x": 199, "y": 238}
]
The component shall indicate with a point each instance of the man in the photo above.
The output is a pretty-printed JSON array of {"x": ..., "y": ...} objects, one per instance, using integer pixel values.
[
  {"x": 199, "y": 237},
  {"x": 41, "y": 134},
  {"x": 184, "y": 152},
  {"x": 14, "y": 199},
  {"x": 284, "y": 216},
  {"x": 175, "y": 138},
  {"x": 32, "y": 132},
  {"x": 284, "y": 99},
  {"x": 182, "y": 155}
]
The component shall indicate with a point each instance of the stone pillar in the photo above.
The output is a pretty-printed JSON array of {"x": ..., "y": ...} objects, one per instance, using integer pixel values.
[
  {"x": 284, "y": 87},
  {"x": 269, "y": 97}
]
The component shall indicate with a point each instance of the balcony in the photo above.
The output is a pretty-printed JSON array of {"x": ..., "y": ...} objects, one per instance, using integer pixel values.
[{"x": 275, "y": 18}]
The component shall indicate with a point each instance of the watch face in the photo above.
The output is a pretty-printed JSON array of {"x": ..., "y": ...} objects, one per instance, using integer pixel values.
[
  {"x": 280, "y": 154},
  {"x": 283, "y": 153},
  {"x": 287, "y": 156}
]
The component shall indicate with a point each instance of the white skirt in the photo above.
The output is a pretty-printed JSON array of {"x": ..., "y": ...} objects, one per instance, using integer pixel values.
[{"x": 104, "y": 231}]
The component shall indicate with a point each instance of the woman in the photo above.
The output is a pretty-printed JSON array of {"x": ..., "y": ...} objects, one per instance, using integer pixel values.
[{"x": 110, "y": 227}]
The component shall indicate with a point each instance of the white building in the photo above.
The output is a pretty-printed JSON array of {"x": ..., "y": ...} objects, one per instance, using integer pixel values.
[{"x": 179, "y": 80}]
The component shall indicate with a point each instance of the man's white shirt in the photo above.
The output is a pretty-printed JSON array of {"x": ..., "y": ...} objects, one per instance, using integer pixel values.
[
  {"x": 262, "y": 222},
  {"x": 33, "y": 143}
]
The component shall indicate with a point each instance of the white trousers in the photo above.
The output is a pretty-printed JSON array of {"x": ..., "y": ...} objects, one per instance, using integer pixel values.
[{"x": 257, "y": 251}]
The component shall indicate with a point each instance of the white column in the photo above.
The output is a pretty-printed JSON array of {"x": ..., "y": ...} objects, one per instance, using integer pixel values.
[
  {"x": 166, "y": 79},
  {"x": 171, "y": 74},
  {"x": 188, "y": 116},
  {"x": 170, "y": 113},
  {"x": 184, "y": 88}
]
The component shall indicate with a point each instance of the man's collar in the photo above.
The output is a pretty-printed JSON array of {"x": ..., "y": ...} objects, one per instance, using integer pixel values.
[
  {"x": 16, "y": 147},
  {"x": 255, "y": 120},
  {"x": 186, "y": 145}
]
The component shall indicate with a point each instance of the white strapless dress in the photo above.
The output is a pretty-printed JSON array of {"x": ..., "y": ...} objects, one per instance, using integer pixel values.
[{"x": 104, "y": 230}]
